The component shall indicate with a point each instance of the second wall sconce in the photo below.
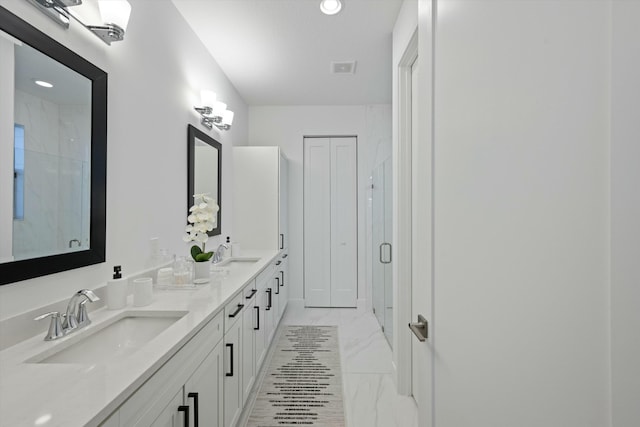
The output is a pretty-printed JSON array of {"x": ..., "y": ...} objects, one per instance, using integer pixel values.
[
  {"x": 214, "y": 112},
  {"x": 115, "y": 15}
]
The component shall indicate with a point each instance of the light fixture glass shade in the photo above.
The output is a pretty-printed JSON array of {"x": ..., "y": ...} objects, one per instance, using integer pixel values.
[
  {"x": 43, "y": 83},
  {"x": 227, "y": 117},
  {"x": 115, "y": 12},
  {"x": 218, "y": 108},
  {"x": 330, "y": 7},
  {"x": 207, "y": 98}
]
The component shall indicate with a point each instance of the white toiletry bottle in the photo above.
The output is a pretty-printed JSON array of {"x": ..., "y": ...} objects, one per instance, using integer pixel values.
[{"x": 117, "y": 290}]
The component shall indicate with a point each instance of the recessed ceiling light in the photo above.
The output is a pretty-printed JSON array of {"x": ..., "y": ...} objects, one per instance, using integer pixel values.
[
  {"x": 42, "y": 83},
  {"x": 330, "y": 7}
]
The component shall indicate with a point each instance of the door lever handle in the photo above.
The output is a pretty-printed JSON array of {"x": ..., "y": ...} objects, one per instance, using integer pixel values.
[{"x": 420, "y": 328}]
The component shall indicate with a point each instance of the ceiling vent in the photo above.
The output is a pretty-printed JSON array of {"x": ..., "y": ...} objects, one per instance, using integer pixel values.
[{"x": 343, "y": 67}]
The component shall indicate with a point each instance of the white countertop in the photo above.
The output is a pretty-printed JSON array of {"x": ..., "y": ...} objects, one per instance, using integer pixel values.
[{"x": 41, "y": 394}]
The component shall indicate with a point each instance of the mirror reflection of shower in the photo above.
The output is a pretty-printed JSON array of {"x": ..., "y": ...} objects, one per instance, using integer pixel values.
[{"x": 51, "y": 106}]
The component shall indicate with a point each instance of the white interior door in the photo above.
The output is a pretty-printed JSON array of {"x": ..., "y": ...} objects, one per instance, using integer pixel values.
[
  {"x": 344, "y": 223},
  {"x": 317, "y": 226},
  {"x": 419, "y": 275},
  {"x": 422, "y": 232},
  {"x": 330, "y": 222}
]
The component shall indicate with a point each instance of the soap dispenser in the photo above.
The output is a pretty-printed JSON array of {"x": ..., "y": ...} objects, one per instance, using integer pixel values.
[
  {"x": 117, "y": 290},
  {"x": 234, "y": 248}
]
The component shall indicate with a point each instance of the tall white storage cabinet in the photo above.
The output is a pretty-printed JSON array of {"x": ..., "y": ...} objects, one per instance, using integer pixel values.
[
  {"x": 330, "y": 222},
  {"x": 260, "y": 197}
]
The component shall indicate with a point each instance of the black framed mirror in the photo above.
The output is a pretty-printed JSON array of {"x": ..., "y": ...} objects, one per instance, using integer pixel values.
[
  {"x": 54, "y": 138},
  {"x": 204, "y": 170}
]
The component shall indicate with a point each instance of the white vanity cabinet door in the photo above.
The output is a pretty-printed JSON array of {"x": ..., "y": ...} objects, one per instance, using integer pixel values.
[
  {"x": 232, "y": 374},
  {"x": 203, "y": 392},
  {"x": 249, "y": 322},
  {"x": 275, "y": 282},
  {"x": 283, "y": 272},
  {"x": 170, "y": 416},
  {"x": 268, "y": 296},
  {"x": 260, "y": 199},
  {"x": 260, "y": 341},
  {"x": 283, "y": 201}
]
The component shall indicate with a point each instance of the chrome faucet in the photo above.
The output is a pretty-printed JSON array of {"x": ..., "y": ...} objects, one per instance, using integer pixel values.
[
  {"x": 217, "y": 255},
  {"x": 75, "y": 318},
  {"x": 72, "y": 241}
]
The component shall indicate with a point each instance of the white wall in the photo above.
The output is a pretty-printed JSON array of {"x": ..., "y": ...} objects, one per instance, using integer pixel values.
[
  {"x": 155, "y": 76},
  {"x": 521, "y": 329},
  {"x": 285, "y": 126},
  {"x": 625, "y": 214}
]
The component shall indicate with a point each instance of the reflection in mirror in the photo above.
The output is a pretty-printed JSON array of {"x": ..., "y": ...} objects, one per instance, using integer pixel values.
[
  {"x": 204, "y": 169},
  {"x": 52, "y": 155},
  {"x": 52, "y": 147}
]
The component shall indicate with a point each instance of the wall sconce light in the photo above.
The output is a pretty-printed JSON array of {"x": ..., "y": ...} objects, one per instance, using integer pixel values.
[
  {"x": 115, "y": 15},
  {"x": 214, "y": 112}
]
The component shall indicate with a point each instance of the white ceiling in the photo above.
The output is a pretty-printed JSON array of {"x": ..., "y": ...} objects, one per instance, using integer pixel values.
[{"x": 279, "y": 52}]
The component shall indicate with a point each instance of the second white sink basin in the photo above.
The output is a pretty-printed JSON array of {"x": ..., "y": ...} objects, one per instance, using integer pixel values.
[
  {"x": 118, "y": 337},
  {"x": 237, "y": 262}
]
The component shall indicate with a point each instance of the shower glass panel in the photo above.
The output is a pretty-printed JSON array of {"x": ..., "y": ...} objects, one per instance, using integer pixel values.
[
  {"x": 377, "y": 223},
  {"x": 381, "y": 205}
]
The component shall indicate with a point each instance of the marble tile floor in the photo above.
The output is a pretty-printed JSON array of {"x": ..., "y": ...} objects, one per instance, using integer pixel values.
[{"x": 370, "y": 395}]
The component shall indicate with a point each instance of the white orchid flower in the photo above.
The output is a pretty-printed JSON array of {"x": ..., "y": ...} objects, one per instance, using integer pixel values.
[{"x": 202, "y": 218}]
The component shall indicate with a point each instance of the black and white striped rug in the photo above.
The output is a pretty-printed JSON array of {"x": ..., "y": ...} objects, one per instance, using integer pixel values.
[{"x": 303, "y": 382}]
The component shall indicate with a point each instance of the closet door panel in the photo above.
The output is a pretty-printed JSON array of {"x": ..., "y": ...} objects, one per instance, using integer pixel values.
[
  {"x": 344, "y": 223},
  {"x": 317, "y": 222}
]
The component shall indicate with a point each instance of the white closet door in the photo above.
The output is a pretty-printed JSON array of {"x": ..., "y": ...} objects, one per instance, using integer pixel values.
[
  {"x": 317, "y": 224},
  {"x": 344, "y": 223}
]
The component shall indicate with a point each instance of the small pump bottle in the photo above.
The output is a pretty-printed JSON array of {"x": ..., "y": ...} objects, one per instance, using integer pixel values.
[{"x": 117, "y": 290}]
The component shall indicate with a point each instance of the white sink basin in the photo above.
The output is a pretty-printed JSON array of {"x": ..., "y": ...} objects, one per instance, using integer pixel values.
[
  {"x": 120, "y": 336},
  {"x": 236, "y": 262}
]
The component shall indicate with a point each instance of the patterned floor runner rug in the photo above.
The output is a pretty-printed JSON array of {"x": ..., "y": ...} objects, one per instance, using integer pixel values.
[{"x": 303, "y": 382}]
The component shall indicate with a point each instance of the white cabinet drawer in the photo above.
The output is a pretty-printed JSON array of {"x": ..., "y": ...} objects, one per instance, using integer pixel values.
[
  {"x": 232, "y": 310},
  {"x": 250, "y": 290}
]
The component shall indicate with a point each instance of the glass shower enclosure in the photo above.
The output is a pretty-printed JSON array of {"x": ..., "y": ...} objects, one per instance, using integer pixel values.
[{"x": 381, "y": 215}]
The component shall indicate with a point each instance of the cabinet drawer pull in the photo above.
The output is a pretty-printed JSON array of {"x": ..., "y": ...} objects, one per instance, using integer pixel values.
[
  {"x": 269, "y": 299},
  {"x": 282, "y": 281},
  {"x": 230, "y": 374},
  {"x": 281, "y": 241},
  {"x": 194, "y": 396},
  {"x": 278, "y": 262},
  {"x": 237, "y": 310},
  {"x": 185, "y": 410},
  {"x": 277, "y": 286},
  {"x": 257, "y": 328},
  {"x": 285, "y": 255},
  {"x": 253, "y": 292}
]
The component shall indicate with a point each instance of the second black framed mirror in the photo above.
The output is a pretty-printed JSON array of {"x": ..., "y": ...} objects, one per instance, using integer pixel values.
[{"x": 204, "y": 170}]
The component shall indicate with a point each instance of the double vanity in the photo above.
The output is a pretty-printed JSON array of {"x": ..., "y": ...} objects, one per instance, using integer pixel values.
[{"x": 189, "y": 358}]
